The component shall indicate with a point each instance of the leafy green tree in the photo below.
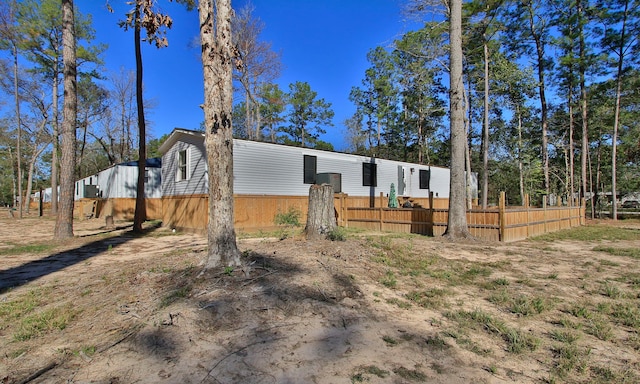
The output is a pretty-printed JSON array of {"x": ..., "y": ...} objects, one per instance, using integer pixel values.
[
  {"x": 41, "y": 22},
  {"x": 528, "y": 32},
  {"x": 273, "y": 103},
  {"x": 513, "y": 88},
  {"x": 154, "y": 145},
  {"x": 420, "y": 91},
  {"x": 484, "y": 26},
  {"x": 239, "y": 121},
  {"x": 307, "y": 115},
  {"x": 621, "y": 20}
]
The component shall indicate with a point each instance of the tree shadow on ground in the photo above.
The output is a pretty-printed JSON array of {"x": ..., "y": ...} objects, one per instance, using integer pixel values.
[{"x": 22, "y": 274}]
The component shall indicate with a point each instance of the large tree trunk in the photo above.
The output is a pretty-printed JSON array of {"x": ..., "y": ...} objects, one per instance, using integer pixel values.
[
  {"x": 543, "y": 98},
  {"x": 64, "y": 222},
  {"x": 217, "y": 56},
  {"x": 56, "y": 146},
  {"x": 19, "y": 129},
  {"x": 140, "y": 214},
  {"x": 520, "y": 167},
  {"x": 321, "y": 217},
  {"x": 485, "y": 129},
  {"x": 457, "y": 221}
]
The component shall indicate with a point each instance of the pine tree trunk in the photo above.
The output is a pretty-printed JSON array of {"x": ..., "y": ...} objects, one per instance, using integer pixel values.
[
  {"x": 56, "y": 146},
  {"x": 64, "y": 222},
  {"x": 485, "y": 130},
  {"x": 140, "y": 213},
  {"x": 18, "y": 129},
  {"x": 217, "y": 59},
  {"x": 457, "y": 221},
  {"x": 321, "y": 217}
]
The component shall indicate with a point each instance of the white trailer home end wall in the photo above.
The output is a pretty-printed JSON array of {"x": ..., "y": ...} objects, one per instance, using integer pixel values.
[
  {"x": 273, "y": 169},
  {"x": 121, "y": 180}
]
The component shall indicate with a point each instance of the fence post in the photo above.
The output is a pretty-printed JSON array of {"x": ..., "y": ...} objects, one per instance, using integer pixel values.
[
  {"x": 381, "y": 210},
  {"x": 502, "y": 205},
  {"x": 583, "y": 209},
  {"x": 431, "y": 213},
  {"x": 345, "y": 211},
  {"x": 526, "y": 205},
  {"x": 544, "y": 213}
]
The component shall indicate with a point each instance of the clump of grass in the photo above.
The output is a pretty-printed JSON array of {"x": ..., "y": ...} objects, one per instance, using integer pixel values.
[
  {"x": 390, "y": 341},
  {"x": 591, "y": 233},
  {"x": 360, "y": 375},
  {"x": 517, "y": 341},
  {"x": 568, "y": 323},
  {"x": 373, "y": 370},
  {"x": 337, "y": 234},
  {"x": 624, "y": 252},
  {"x": 22, "y": 249},
  {"x": 526, "y": 306},
  {"x": 399, "y": 303},
  {"x": 410, "y": 374},
  {"x": 607, "y": 263},
  {"x": 500, "y": 298},
  {"x": 612, "y": 291},
  {"x": 501, "y": 282},
  {"x": 580, "y": 310},
  {"x": 174, "y": 296},
  {"x": 566, "y": 337},
  {"x": 436, "y": 342},
  {"x": 520, "y": 305},
  {"x": 86, "y": 350},
  {"x": 599, "y": 328},
  {"x": 552, "y": 276},
  {"x": 21, "y": 306},
  {"x": 288, "y": 220},
  {"x": 43, "y": 322},
  {"x": 627, "y": 314},
  {"x": 389, "y": 280},
  {"x": 570, "y": 358},
  {"x": 475, "y": 271},
  {"x": 430, "y": 298},
  {"x": 291, "y": 218},
  {"x": 465, "y": 342}
]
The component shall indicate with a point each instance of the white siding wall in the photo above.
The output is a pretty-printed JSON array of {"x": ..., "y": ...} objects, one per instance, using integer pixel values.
[
  {"x": 268, "y": 169},
  {"x": 120, "y": 181},
  {"x": 196, "y": 182}
]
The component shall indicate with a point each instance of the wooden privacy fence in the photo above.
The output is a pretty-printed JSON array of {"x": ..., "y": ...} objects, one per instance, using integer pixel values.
[
  {"x": 497, "y": 224},
  {"x": 119, "y": 208},
  {"x": 428, "y": 215}
]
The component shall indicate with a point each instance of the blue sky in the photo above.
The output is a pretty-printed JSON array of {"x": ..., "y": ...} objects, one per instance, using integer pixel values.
[{"x": 322, "y": 42}]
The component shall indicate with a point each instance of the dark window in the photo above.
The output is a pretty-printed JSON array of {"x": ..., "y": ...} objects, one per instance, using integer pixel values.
[
  {"x": 310, "y": 169},
  {"x": 425, "y": 178},
  {"x": 146, "y": 176},
  {"x": 369, "y": 177},
  {"x": 182, "y": 165}
]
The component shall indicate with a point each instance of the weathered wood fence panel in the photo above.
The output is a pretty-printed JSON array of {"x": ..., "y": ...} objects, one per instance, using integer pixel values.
[
  {"x": 258, "y": 212},
  {"x": 495, "y": 224},
  {"x": 119, "y": 208}
]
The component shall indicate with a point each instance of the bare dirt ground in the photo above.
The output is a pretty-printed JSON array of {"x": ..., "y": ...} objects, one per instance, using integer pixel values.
[{"x": 111, "y": 307}]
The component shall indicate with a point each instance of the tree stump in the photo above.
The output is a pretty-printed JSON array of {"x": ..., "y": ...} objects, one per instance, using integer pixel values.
[
  {"x": 321, "y": 217},
  {"x": 108, "y": 222}
]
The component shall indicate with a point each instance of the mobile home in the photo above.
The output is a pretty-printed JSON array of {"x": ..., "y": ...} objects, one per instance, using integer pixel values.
[{"x": 271, "y": 178}]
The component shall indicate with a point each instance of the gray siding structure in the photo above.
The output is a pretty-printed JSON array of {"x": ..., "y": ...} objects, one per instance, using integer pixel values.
[
  {"x": 273, "y": 169},
  {"x": 120, "y": 181}
]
